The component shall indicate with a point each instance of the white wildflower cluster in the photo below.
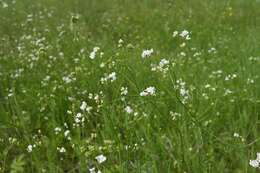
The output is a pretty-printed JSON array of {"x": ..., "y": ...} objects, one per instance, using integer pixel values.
[
  {"x": 71, "y": 98},
  {"x": 81, "y": 52},
  {"x": 36, "y": 138},
  {"x": 12, "y": 140},
  {"x": 163, "y": 66},
  {"x": 208, "y": 86},
  {"x": 45, "y": 81},
  {"x": 120, "y": 43},
  {"x": 230, "y": 77},
  {"x": 97, "y": 98},
  {"x": 69, "y": 78},
  {"x": 184, "y": 34},
  {"x": 150, "y": 91},
  {"x": 30, "y": 147},
  {"x": 184, "y": 92},
  {"x": 207, "y": 122},
  {"x": 174, "y": 115},
  {"x": 100, "y": 159},
  {"x": 93, "y": 170},
  {"x": 175, "y": 33},
  {"x": 67, "y": 134},
  {"x": 227, "y": 92},
  {"x": 250, "y": 81},
  {"x": 61, "y": 149},
  {"x": 92, "y": 54},
  {"x": 4, "y": 4},
  {"x": 10, "y": 93},
  {"x": 108, "y": 77},
  {"x": 111, "y": 64},
  {"x": 123, "y": 93},
  {"x": 102, "y": 65},
  {"x": 255, "y": 163},
  {"x": 57, "y": 130},
  {"x": 129, "y": 110},
  {"x": 216, "y": 74},
  {"x": 79, "y": 119},
  {"x": 254, "y": 59},
  {"x": 181, "y": 54},
  {"x": 182, "y": 44},
  {"x": 17, "y": 73},
  {"x": 147, "y": 53},
  {"x": 85, "y": 107},
  {"x": 205, "y": 96},
  {"x": 212, "y": 50},
  {"x": 135, "y": 146},
  {"x": 236, "y": 135},
  {"x": 197, "y": 54}
]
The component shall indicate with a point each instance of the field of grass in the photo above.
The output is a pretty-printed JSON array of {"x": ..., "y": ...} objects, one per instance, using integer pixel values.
[{"x": 129, "y": 86}]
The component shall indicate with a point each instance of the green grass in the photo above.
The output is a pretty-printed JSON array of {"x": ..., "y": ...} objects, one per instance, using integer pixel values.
[{"x": 204, "y": 116}]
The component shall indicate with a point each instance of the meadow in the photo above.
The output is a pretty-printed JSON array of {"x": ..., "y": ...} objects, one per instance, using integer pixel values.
[{"x": 129, "y": 86}]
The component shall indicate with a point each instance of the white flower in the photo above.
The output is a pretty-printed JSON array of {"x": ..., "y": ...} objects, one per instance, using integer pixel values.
[
  {"x": 124, "y": 91},
  {"x": 67, "y": 79},
  {"x": 212, "y": 50},
  {"x": 185, "y": 34},
  {"x": 102, "y": 65},
  {"x": 120, "y": 41},
  {"x": 95, "y": 49},
  {"x": 182, "y": 54},
  {"x": 89, "y": 108},
  {"x": 163, "y": 62},
  {"x": 163, "y": 66},
  {"x": 79, "y": 115},
  {"x": 148, "y": 91},
  {"x": 147, "y": 53},
  {"x": 57, "y": 130},
  {"x": 92, "y": 170},
  {"x": 92, "y": 54},
  {"x": 110, "y": 77},
  {"x": 175, "y": 33},
  {"x": 29, "y": 148},
  {"x": 254, "y": 163},
  {"x": 61, "y": 150},
  {"x": 83, "y": 106},
  {"x": 66, "y": 133},
  {"x": 128, "y": 109},
  {"x": 183, "y": 44},
  {"x": 79, "y": 118},
  {"x": 5, "y": 5},
  {"x": 100, "y": 158},
  {"x": 236, "y": 135},
  {"x": 184, "y": 92}
]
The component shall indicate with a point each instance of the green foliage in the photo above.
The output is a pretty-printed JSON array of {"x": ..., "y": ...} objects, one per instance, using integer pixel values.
[
  {"x": 18, "y": 164},
  {"x": 129, "y": 86}
]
